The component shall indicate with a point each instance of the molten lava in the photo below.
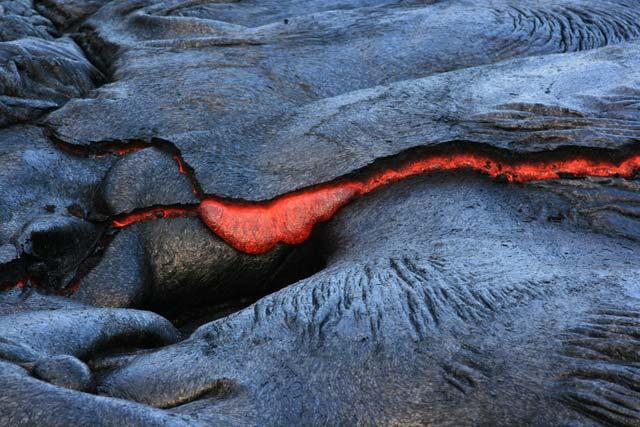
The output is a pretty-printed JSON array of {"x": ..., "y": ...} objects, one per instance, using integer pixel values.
[
  {"x": 103, "y": 148},
  {"x": 256, "y": 227},
  {"x": 151, "y": 214},
  {"x": 20, "y": 283},
  {"x": 181, "y": 167}
]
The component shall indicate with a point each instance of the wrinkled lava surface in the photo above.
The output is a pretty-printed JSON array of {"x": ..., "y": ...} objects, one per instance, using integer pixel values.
[{"x": 321, "y": 212}]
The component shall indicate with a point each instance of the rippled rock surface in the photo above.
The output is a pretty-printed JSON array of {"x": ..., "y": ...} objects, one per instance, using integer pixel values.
[{"x": 260, "y": 212}]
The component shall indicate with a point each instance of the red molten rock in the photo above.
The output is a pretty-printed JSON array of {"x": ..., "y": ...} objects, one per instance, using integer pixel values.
[{"x": 257, "y": 227}]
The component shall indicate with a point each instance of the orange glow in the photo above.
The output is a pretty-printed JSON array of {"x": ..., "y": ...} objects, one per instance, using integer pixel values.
[
  {"x": 20, "y": 283},
  {"x": 256, "y": 227},
  {"x": 126, "y": 149},
  {"x": 180, "y": 164},
  {"x": 151, "y": 214}
]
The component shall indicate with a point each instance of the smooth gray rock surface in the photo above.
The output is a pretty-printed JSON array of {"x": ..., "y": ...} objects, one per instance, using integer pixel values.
[
  {"x": 56, "y": 406},
  {"x": 85, "y": 332}
]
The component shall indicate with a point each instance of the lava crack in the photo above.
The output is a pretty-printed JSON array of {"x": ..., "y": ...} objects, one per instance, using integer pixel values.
[
  {"x": 152, "y": 213},
  {"x": 256, "y": 227}
]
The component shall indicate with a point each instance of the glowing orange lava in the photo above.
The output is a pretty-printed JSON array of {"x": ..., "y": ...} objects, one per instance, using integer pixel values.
[
  {"x": 256, "y": 227},
  {"x": 151, "y": 214},
  {"x": 180, "y": 163},
  {"x": 103, "y": 149},
  {"x": 126, "y": 149}
]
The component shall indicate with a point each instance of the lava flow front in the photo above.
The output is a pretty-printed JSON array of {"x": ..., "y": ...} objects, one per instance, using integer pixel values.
[{"x": 256, "y": 227}]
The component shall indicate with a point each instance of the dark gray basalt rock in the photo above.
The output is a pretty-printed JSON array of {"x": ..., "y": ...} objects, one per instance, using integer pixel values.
[
  {"x": 16, "y": 301},
  {"x": 48, "y": 338},
  {"x": 65, "y": 13},
  {"x": 127, "y": 186},
  {"x": 170, "y": 264},
  {"x": 247, "y": 116},
  {"x": 64, "y": 371},
  {"x": 526, "y": 105},
  {"x": 609, "y": 205},
  {"x": 313, "y": 30},
  {"x": 55, "y": 406},
  {"x": 122, "y": 276},
  {"x": 39, "y": 75},
  {"x": 44, "y": 344},
  {"x": 443, "y": 300},
  {"x": 186, "y": 259},
  {"x": 38, "y": 72},
  {"x": 46, "y": 199},
  {"x": 85, "y": 332},
  {"x": 463, "y": 311},
  {"x": 18, "y": 19}
]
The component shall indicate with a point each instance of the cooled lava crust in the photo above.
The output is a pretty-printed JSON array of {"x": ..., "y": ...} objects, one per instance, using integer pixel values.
[{"x": 260, "y": 212}]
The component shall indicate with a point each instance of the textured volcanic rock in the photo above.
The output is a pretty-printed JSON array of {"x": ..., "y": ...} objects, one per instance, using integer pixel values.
[
  {"x": 47, "y": 344},
  {"x": 443, "y": 299},
  {"x": 84, "y": 332},
  {"x": 38, "y": 75},
  {"x": 128, "y": 187},
  {"x": 607, "y": 205},
  {"x": 172, "y": 262},
  {"x": 258, "y": 106},
  {"x": 580, "y": 100},
  {"x": 55, "y": 406},
  {"x": 243, "y": 115},
  {"x": 18, "y": 19},
  {"x": 46, "y": 198},
  {"x": 121, "y": 278},
  {"x": 472, "y": 306},
  {"x": 65, "y": 13},
  {"x": 18, "y": 300},
  {"x": 583, "y": 99},
  {"x": 37, "y": 71},
  {"x": 64, "y": 371}
]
